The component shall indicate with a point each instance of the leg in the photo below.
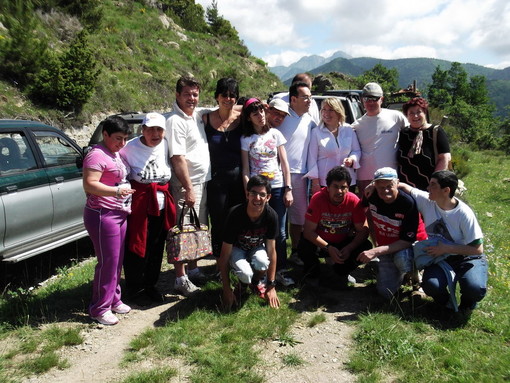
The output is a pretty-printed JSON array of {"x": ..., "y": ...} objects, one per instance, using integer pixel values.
[
  {"x": 259, "y": 263},
  {"x": 389, "y": 278},
  {"x": 241, "y": 265},
  {"x": 351, "y": 263},
  {"x": 156, "y": 236},
  {"x": 276, "y": 202},
  {"x": 434, "y": 284},
  {"x": 307, "y": 251},
  {"x": 472, "y": 277},
  {"x": 298, "y": 209}
]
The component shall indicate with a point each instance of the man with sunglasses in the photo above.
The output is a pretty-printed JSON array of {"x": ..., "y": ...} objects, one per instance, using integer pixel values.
[
  {"x": 377, "y": 132},
  {"x": 249, "y": 245}
]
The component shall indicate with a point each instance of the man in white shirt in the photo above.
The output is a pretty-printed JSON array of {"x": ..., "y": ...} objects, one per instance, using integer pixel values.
[
  {"x": 189, "y": 155},
  {"x": 377, "y": 132}
]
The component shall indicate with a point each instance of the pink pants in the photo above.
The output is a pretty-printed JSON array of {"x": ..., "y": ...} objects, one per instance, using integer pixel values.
[{"x": 107, "y": 230}]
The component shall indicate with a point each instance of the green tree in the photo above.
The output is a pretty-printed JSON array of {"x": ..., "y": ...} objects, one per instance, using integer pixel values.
[
  {"x": 438, "y": 92},
  {"x": 187, "y": 14},
  {"x": 68, "y": 80},
  {"x": 22, "y": 49},
  {"x": 457, "y": 83},
  {"x": 218, "y": 25},
  {"x": 385, "y": 77}
]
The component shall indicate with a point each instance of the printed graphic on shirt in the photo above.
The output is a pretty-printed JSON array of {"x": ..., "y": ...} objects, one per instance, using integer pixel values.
[
  {"x": 385, "y": 226},
  {"x": 335, "y": 223},
  {"x": 252, "y": 238},
  {"x": 152, "y": 172},
  {"x": 438, "y": 229}
]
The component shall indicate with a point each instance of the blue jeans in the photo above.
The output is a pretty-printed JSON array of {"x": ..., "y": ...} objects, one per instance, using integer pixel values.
[
  {"x": 389, "y": 276},
  {"x": 276, "y": 202},
  {"x": 244, "y": 262},
  {"x": 471, "y": 275}
]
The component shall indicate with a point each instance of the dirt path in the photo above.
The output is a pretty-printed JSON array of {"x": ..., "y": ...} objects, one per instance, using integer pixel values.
[{"x": 323, "y": 349}]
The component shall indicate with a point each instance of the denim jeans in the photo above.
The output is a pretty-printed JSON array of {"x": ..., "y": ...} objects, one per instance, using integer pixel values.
[
  {"x": 276, "y": 202},
  {"x": 244, "y": 262},
  {"x": 471, "y": 275}
]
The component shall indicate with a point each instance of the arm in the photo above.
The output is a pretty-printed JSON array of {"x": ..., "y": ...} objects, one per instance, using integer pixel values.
[
  {"x": 309, "y": 232},
  {"x": 443, "y": 160},
  {"x": 223, "y": 265},
  {"x": 93, "y": 185},
  {"x": 405, "y": 187},
  {"x": 271, "y": 296},
  {"x": 444, "y": 248},
  {"x": 354, "y": 156},
  {"x": 367, "y": 255},
  {"x": 361, "y": 236},
  {"x": 181, "y": 171},
  {"x": 246, "y": 168},
  {"x": 282, "y": 155}
]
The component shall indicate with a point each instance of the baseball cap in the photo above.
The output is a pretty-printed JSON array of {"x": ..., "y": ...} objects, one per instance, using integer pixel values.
[
  {"x": 385, "y": 174},
  {"x": 372, "y": 89},
  {"x": 154, "y": 119},
  {"x": 280, "y": 105}
]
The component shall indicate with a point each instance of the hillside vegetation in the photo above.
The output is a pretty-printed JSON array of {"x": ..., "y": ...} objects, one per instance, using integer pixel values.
[{"x": 137, "y": 50}]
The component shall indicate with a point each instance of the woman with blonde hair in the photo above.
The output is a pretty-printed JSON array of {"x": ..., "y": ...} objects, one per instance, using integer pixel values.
[{"x": 333, "y": 143}]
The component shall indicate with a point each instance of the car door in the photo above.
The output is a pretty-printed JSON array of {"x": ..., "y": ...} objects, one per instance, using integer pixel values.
[
  {"x": 25, "y": 193},
  {"x": 65, "y": 179}
]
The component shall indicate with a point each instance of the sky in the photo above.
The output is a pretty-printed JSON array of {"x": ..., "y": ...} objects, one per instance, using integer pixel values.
[{"x": 282, "y": 31}]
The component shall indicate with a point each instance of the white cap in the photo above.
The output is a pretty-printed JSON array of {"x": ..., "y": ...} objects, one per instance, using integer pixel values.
[{"x": 154, "y": 119}]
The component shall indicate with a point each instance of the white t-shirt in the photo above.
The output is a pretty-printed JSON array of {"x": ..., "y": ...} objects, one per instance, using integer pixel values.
[
  {"x": 263, "y": 155},
  {"x": 378, "y": 139},
  {"x": 297, "y": 132},
  {"x": 327, "y": 151},
  {"x": 186, "y": 137},
  {"x": 458, "y": 225}
]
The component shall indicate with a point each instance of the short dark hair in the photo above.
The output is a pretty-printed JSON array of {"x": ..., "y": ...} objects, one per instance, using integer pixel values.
[
  {"x": 304, "y": 77},
  {"x": 247, "y": 110},
  {"x": 293, "y": 90},
  {"x": 446, "y": 178},
  {"x": 338, "y": 173},
  {"x": 258, "y": 180},
  {"x": 186, "y": 81},
  {"x": 116, "y": 124},
  {"x": 227, "y": 84}
]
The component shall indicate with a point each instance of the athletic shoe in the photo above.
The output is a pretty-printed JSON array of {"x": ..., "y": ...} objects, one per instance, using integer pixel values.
[
  {"x": 108, "y": 318},
  {"x": 294, "y": 258},
  {"x": 259, "y": 289},
  {"x": 283, "y": 279},
  {"x": 121, "y": 309},
  {"x": 185, "y": 287}
]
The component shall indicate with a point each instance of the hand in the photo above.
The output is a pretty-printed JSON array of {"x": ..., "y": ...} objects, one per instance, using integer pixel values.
[
  {"x": 366, "y": 256},
  {"x": 288, "y": 199},
  {"x": 335, "y": 255},
  {"x": 123, "y": 192},
  {"x": 348, "y": 162},
  {"x": 228, "y": 299},
  {"x": 315, "y": 187},
  {"x": 189, "y": 197},
  {"x": 272, "y": 298},
  {"x": 369, "y": 190},
  {"x": 437, "y": 251}
]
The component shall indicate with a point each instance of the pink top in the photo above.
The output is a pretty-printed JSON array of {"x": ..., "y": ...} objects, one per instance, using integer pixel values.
[{"x": 114, "y": 171}]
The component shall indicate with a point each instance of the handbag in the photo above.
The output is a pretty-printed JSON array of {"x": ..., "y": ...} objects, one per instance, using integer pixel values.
[{"x": 188, "y": 242}]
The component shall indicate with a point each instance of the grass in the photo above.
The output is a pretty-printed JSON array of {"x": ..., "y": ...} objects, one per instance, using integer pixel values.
[{"x": 399, "y": 342}]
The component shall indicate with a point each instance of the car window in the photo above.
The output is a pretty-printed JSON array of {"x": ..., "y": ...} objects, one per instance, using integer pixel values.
[
  {"x": 15, "y": 154},
  {"x": 55, "y": 149}
]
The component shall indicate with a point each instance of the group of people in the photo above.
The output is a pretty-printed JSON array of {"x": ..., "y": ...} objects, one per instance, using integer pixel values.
[{"x": 245, "y": 164}]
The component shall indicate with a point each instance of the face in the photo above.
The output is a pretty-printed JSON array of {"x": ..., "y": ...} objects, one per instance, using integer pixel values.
[
  {"x": 387, "y": 190},
  {"x": 416, "y": 117},
  {"x": 337, "y": 191},
  {"x": 434, "y": 190},
  {"x": 372, "y": 105},
  {"x": 257, "y": 198},
  {"x": 188, "y": 99},
  {"x": 226, "y": 100},
  {"x": 115, "y": 141},
  {"x": 302, "y": 102},
  {"x": 329, "y": 116},
  {"x": 153, "y": 135},
  {"x": 275, "y": 117},
  {"x": 258, "y": 118}
]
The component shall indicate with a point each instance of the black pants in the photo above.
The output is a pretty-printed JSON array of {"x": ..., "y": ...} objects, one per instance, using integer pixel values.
[
  {"x": 144, "y": 272},
  {"x": 308, "y": 253},
  {"x": 224, "y": 190}
]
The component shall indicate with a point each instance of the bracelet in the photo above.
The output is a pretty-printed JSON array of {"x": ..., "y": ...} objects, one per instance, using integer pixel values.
[{"x": 117, "y": 192}]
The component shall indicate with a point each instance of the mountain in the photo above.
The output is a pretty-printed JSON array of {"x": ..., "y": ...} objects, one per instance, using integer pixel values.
[
  {"x": 419, "y": 70},
  {"x": 305, "y": 64}
]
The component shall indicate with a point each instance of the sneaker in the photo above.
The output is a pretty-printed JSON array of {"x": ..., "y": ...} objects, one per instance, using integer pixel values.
[
  {"x": 196, "y": 276},
  {"x": 351, "y": 279},
  {"x": 185, "y": 287},
  {"x": 121, "y": 309},
  {"x": 108, "y": 318},
  {"x": 283, "y": 279},
  {"x": 294, "y": 258}
]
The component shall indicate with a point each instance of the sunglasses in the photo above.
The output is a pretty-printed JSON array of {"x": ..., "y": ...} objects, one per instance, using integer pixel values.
[
  {"x": 371, "y": 98},
  {"x": 228, "y": 95}
]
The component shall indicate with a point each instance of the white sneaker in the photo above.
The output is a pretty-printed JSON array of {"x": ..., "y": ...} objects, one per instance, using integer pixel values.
[
  {"x": 108, "y": 318},
  {"x": 121, "y": 309},
  {"x": 283, "y": 279},
  {"x": 185, "y": 286},
  {"x": 351, "y": 279}
]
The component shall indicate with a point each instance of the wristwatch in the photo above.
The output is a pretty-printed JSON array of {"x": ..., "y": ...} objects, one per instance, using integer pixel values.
[
  {"x": 288, "y": 187},
  {"x": 271, "y": 283},
  {"x": 326, "y": 248}
]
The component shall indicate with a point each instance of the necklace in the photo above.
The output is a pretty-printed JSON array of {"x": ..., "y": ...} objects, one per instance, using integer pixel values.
[{"x": 225, "y": 130}]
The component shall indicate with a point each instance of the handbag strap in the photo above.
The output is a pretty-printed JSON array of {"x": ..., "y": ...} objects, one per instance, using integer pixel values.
[{"x": 193, "y": 216}]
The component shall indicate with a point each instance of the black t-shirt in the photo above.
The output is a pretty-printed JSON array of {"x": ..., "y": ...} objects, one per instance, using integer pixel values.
[
  {"x": 245, "y": 234},
  {"x": 416, "y": 171}
]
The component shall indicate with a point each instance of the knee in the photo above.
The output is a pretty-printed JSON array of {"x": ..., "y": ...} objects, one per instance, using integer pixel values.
[
  {"x": 385, "y": 291},
  {"x": 473, "y": 291},
  {"x": 260, "y": 261},
  {"x": 432, "y": 286},
  {"x": 245, "y": 276}
]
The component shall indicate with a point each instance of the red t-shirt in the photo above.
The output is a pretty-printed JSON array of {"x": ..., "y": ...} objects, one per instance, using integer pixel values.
[{"x": 335, "y": 222}]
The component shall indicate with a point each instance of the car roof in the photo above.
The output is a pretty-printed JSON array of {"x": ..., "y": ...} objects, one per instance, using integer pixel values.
[{"x": 6, "y": 123}]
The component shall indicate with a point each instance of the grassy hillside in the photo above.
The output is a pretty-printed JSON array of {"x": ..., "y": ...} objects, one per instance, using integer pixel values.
[{"x": 141, "y": 53}]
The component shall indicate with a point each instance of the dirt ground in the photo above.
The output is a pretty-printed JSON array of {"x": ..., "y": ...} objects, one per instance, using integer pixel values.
[{"x": 323, "y": 348}]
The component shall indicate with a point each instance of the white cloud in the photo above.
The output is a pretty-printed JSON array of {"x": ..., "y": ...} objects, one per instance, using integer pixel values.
[{"x": 284, "y": 58}]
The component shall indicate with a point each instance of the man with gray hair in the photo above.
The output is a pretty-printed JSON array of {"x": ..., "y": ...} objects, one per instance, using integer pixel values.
[{"x": 377, "y": 131}]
